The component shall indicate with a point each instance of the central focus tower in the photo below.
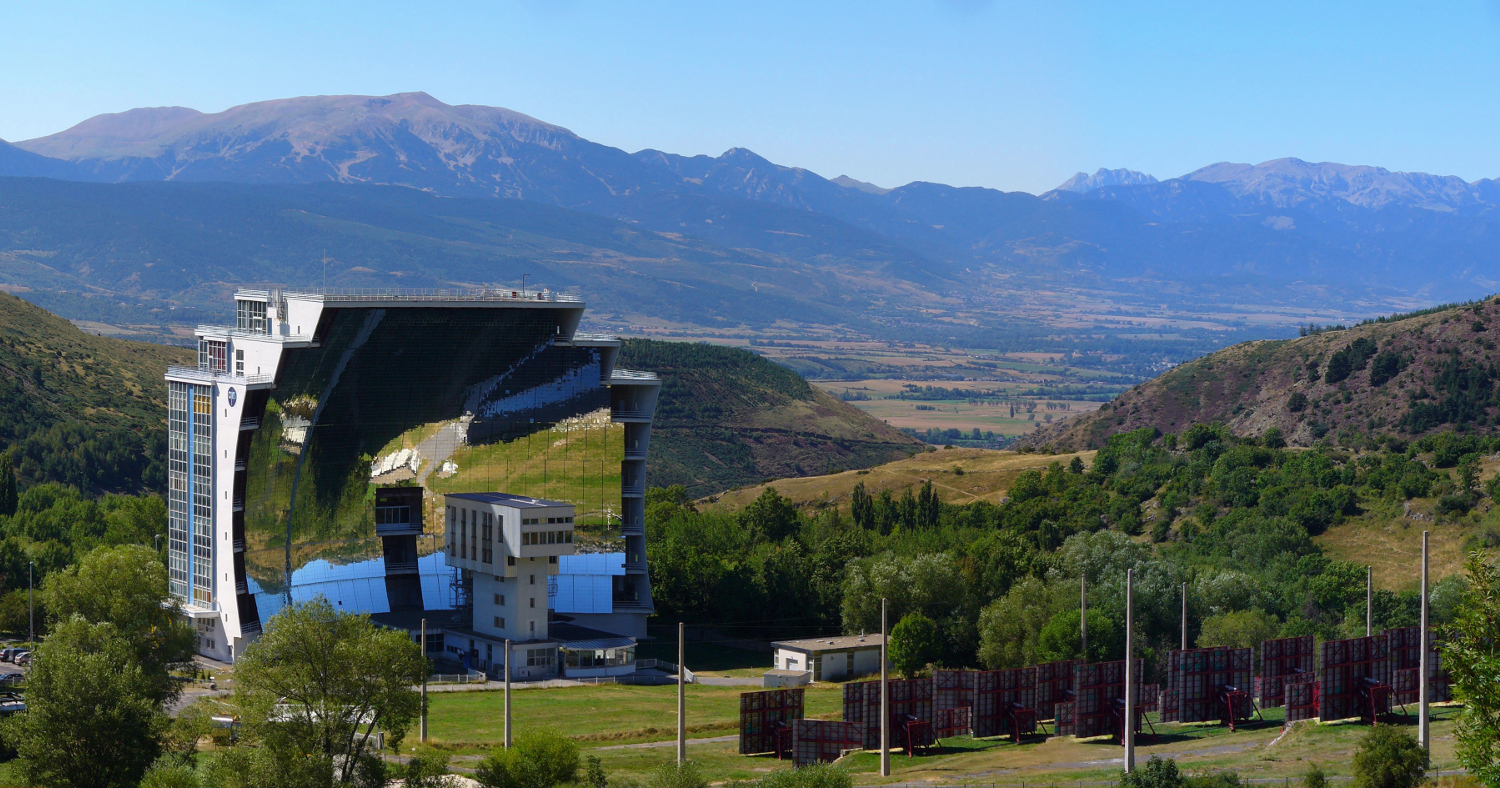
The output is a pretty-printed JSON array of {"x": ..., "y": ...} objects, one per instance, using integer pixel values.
[{"x": 312, "y": 445}]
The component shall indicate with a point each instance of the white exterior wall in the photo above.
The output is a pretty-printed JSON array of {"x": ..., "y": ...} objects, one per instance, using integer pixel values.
[{"x": 830, "y": 665}]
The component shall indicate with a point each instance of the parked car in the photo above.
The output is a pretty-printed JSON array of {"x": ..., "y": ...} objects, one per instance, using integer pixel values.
[
  {"x": 23, "y": 659},
  {"x": 12, "y": 679},
  {"x": 9, "y": 654}
]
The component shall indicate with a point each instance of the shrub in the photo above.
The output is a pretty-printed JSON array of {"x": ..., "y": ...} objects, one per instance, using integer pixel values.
[
  {"x": 1314, "y": 777},
  {"x": 670, "y": 775},
  {"x": 818, "y": 775},
  {"x": 1388, "y": 757},
  {"x": 1157, "y": 773},
  {"x": 541, "y": 758}
]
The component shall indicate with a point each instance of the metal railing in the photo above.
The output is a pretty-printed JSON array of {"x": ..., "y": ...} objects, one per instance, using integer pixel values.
[
  {"x": 232, "y": 331},
  {"x": 583, "y": 336},
  {"x": 210, "y": 374},
  {"x": 630, "y": 414},
  {"x": 472, "y": 677},
  {"x": 633, "y": 374},
  {"x": 443, "y": 294},
  {"x": 249, "y": 423}
]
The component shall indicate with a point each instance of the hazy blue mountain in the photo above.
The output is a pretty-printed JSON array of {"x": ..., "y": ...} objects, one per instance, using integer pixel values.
[
  {"x": 16, "y": 161},
  {"x": 850, "y": 183},
  {"x": 190, "y": 242},
  {"x": 1284, "y": 221},
  {"x": 1083, "y": 182}
]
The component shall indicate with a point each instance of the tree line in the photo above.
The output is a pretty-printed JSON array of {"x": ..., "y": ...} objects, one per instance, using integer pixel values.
[{"x": 1232, "y": 518}]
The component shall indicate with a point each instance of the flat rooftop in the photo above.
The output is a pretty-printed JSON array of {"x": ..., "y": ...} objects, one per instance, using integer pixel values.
[
  {"x": 832, "y": 644},
  {"x": 506, "y": 499}
]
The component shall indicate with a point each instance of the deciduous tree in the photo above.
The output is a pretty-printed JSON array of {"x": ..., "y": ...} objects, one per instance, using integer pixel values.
[{"x": 319, "y": 683}]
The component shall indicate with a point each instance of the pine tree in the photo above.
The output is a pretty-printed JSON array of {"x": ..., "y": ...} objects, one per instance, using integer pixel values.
[{"x": 8, "y": 497}]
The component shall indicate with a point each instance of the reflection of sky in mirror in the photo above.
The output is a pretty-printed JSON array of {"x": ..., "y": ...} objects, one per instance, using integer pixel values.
[
  {"x": 583, "y": 583},
  {"x": 358, "y": 587}
]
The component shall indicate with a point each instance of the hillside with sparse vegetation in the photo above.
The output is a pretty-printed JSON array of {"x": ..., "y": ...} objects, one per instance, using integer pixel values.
[{"x": 1404, "y": 376}]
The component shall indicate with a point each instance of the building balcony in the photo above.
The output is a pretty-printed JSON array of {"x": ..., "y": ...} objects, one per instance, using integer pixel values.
[
  {"x": 250, "y": 424},
  {"x": 239, "y": 545},
  {"x": 400, "y": 567},
  {"x": 210, "y": 375},
  {"x": 622, "y": 414},
  {"x": 635, "y": 454},
  {"x": 636, "y": 489},
  {"x": 238, "y": 505}
]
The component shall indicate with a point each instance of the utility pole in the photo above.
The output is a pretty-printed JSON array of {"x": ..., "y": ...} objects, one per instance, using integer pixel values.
[
  {"x": 31, "y": 608},
  {"x": 1369, "y": 601},
  {"x": 1184, "y": 616},
  {"x": 885, "y": 699},
  {"x": 1083, "y": 617},
  {"x": 681, "y": 694},
  {"x": 507, "y": 694},
  {"x": 1424, "y": 733},
  {"x": 1129, "y": 718},
  {"x": 422, "y": 635}
]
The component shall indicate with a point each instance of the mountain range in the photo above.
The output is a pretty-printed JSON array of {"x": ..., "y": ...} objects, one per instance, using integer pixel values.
[{"x": 1291, "y": 231}]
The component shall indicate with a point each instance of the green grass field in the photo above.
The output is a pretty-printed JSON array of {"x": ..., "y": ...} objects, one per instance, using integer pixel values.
[
  {"x": 603, "y": 714},
  {"x": 603, "y": 718}
]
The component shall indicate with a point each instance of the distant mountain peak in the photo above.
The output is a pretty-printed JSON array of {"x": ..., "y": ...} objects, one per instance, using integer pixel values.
[
  {"x": 850, "y": 183},
  {"x": 1290, "y": 181},
  {"x": 1083, "y": 182}
]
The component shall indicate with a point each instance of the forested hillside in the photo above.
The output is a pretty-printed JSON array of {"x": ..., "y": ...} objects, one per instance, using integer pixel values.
[
  {"x": 78, "y": 409},
  {"x": 1406, "y": 375},
  {"x": 1234, "y": 518},
  {"x": 728, "y": 417}
]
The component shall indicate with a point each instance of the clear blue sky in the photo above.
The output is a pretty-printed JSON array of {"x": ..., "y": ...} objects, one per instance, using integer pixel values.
[{"x": 1008, "y": 95}]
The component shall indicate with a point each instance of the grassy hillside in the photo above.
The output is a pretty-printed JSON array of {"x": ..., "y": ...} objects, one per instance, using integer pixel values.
[
  {"x": 727, "y": 418},
  {"x": 83, "y": 410},
  {"x": 1409, "y": 375},
  {"x": 959, "y": 476}
]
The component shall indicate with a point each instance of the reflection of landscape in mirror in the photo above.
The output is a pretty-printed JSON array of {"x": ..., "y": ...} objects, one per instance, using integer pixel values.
[{"x": 449, "y": 401}]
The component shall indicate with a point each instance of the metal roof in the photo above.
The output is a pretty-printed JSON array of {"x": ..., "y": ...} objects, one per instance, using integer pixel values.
[
  {"x": 602, "y": 643},
  {"x": 832, "y": 644},
  {"x": 513, "y": 501}
]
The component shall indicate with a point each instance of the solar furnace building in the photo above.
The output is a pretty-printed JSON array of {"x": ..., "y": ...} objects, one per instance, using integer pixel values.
[{"x": 312, "y": 449}]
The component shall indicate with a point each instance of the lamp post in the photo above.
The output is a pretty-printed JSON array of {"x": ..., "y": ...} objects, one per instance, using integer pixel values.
[
  {"x": 30, "y": 608},
  {"x": 1424, "y": 731},
  {"x": 885, "y": 699},
  {"x": 1128, "y": 736}
]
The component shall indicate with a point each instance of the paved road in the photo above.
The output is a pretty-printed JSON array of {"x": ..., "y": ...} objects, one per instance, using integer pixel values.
[{"x": 671, "y": 743}]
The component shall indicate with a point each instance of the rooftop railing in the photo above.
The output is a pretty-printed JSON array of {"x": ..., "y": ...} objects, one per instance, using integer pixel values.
[
  {"x": 445, "y": 295},
  {"x": 631, "y": 374}
]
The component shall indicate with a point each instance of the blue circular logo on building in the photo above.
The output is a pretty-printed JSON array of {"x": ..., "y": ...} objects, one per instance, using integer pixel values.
[{"x": 231, "y": 396}]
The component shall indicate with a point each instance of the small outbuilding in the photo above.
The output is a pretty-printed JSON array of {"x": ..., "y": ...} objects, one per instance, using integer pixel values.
[{"x": 833, "y": 658}]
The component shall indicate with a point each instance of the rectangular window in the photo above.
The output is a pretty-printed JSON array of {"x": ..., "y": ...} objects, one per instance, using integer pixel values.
[
  {"x": 570, "y": 537},
  {"x": 500, "y": 599},
  {"x": 487, "y": 542},
  {"x": 392, "y": 515},
  {"x": 533, "y": 603},
  {"x": 510, "y": 560},
  {"x": 239, "y": 362},
  {"x": 213, "y": 356},
  {"x": 251, "y": 316},
  {"x": 499, "y": 622},
  {"x": 463, "y": 533}
]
